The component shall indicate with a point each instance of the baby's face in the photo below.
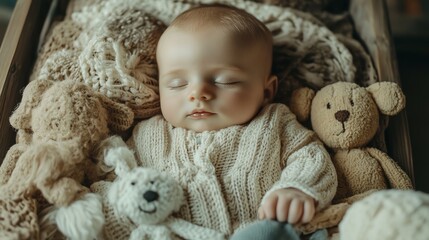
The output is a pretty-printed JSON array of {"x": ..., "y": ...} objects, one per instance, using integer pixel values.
[{"x": 207, "y": 82}]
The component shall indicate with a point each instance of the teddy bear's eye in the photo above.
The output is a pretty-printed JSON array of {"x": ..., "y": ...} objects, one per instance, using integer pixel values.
[
  {"x": 152, "y": 182},
  {"x": 351, "y": 102},
  {"x": 328, "y": 106},
  {"x": 133, "y": 183}
]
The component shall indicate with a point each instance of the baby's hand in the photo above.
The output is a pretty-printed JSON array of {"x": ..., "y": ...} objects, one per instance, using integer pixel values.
[{"x": 288, "y": 204}]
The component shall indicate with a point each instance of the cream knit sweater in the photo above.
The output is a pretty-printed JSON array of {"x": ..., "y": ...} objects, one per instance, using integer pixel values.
[{"x": 226, "y": 173}]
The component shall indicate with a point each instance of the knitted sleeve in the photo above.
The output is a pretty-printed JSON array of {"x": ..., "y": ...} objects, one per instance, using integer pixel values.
[{"x": 307, "y": 164}]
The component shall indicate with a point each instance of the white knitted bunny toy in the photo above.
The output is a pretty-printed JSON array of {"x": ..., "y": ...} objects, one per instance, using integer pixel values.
[{"x": 146, "y": 198}]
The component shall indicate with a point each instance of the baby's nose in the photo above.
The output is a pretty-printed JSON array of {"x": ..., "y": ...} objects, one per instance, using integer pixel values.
[
  {"x": 201, "y": 92},
  {"x": 150, "y": 196}
]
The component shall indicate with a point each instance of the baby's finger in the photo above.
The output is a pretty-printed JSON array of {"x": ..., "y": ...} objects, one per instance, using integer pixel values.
[
  {"x": 269, "y": 207},
  {"x": 309, "y": 211},
  {"x": 261, "y": 214},
  {"x": 282, "y": 209},
  {"x": 295, "y": 211}
]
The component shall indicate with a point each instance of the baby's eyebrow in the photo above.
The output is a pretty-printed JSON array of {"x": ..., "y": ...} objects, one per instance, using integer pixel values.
[
  {"x": 173, "y": 72},
  {"x": 231, "y": 67}
]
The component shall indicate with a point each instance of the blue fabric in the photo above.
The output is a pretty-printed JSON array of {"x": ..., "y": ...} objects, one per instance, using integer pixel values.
[
  {"x": 267, "y": 230},
  {"x": 321, "y": 234}
]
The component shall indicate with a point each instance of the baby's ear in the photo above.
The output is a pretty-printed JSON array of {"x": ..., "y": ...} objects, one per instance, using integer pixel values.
[
  {"x": 121, "y": 116},
  {"x": 388, "y": 96},
  {"x": 300, "y": 103},
  {"x": 270, "y": 89},
  {"x": 31, "y": 97}
]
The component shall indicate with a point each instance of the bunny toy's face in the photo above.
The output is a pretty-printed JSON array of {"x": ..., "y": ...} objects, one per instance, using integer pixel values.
[
  {"x": 145, "y": 196},
  {"x": 344, "y": 116}
]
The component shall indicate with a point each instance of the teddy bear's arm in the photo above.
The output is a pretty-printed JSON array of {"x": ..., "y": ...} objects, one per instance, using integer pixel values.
[
  {"x": 300, "y": 103},
  {"x": 191, "y": 231},
  {"x": 396, "y": 176}
]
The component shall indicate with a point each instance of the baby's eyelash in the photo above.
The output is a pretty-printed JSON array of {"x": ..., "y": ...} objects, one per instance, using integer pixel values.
[
  {"x": 177, "y": 87},
  {"x": 227, "y": 83},
  {"x": 177, "y": 83}
]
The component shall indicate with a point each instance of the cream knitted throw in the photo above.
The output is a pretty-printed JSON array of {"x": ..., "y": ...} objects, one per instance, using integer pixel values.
[
  {"x": 226, "y": 173},
  {"x": 109, "y": 47}
]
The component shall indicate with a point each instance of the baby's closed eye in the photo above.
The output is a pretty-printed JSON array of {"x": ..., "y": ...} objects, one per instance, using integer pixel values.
[
  {"x": 177, "y": 83},
  {"x": 226, "y": 81}
]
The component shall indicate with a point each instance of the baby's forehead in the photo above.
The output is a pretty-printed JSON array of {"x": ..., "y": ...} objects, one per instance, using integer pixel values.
[{"x": 214, "y": 34}]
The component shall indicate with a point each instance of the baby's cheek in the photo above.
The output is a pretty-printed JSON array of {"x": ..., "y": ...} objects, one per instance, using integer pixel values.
[
  {"x": 241, "y": 106},
  {"x": 169, "y": 107}
]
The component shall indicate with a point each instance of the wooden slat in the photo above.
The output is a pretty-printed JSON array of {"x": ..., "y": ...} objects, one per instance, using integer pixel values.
[
  {"x": 372, "y": 24},
  {"x": 17, "y": 56}
]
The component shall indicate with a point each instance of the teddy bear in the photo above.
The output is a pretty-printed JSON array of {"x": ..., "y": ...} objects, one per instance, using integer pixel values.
[
  {"x": 140, "y": 202},
  {"x": 388, "y": 215},
  {"x": 59, "y": 125},
  {"x": 345, "y": 116}
]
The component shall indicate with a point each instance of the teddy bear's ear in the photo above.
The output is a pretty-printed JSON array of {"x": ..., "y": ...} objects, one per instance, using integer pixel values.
[
  {"x": 31, "y": 97},
  {"x": 300, "y": 103},
  {"x": 120, "y": 115},
  {"x": 388, "y": 96}
]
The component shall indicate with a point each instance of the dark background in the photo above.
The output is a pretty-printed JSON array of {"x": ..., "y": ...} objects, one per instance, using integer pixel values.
[
  {"x": 409, "y": 21},
  {"x": 410, "y": 28}
]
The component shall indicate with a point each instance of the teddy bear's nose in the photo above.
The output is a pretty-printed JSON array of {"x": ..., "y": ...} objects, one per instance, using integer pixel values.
[
  {"x": 150, "y": 196},
  {"x": 342, "y": 115}
]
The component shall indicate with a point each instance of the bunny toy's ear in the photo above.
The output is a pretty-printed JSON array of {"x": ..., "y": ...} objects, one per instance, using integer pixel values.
[
  {"x": 120, "y": 116},
  {"x": 300, "y": 103},
  {"x": 388, "y": 96},
  {"x": 121, "y": 159},
  {"x": 31, "y": 97}
]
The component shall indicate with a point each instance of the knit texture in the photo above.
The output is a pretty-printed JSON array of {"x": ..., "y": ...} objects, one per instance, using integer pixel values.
[
  {"x": 115, "y": 228},
  {"x": 18, "y": 218},
  {"x": 59, "y": 66},
  {"x": 62, "y": 36},
  {"x": 309, "y": 5},
  {"x": 226, "y": 173},
  {"x": 109, "y": 47},
  {"x": 388, "y": 215},
  {"x": 119, "y": 60}
]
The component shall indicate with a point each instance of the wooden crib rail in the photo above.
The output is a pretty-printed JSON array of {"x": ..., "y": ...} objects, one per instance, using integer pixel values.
[
  {"x": 372, "y": 24},
  {"x": 17, "y": 55}
]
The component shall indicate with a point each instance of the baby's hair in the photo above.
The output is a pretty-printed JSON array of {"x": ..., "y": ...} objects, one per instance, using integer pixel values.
[{"x": 243, "y": 25}]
